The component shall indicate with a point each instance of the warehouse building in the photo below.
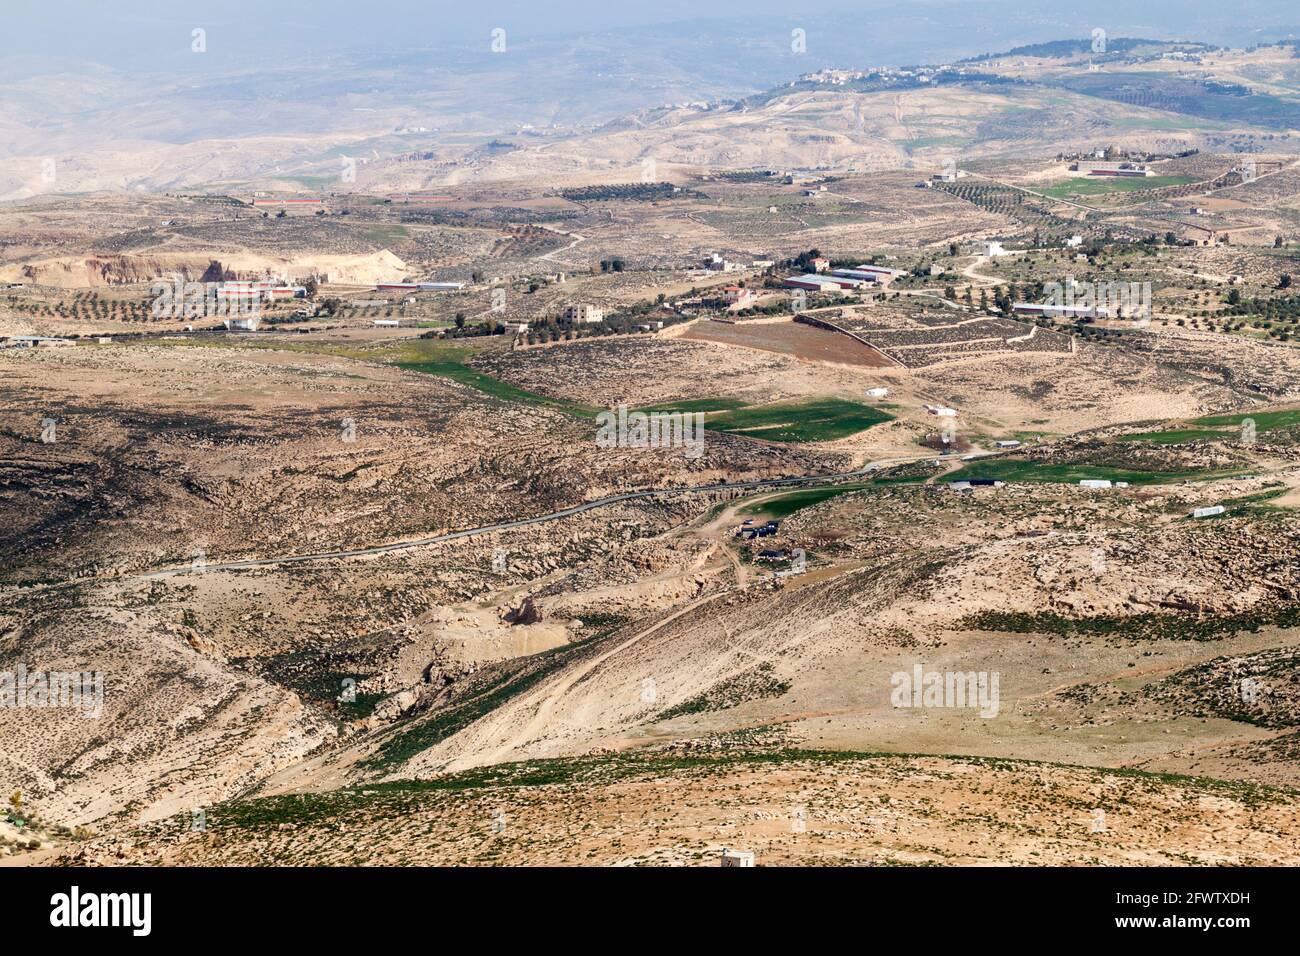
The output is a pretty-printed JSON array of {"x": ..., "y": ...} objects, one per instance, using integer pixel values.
[{"x": 815, "y": 283}]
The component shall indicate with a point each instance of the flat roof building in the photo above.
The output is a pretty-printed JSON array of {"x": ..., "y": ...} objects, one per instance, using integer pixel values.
[
  {"x": 582, "y": 313},
  {"x": 814, "y": 283},
  {"x": 1061, "y": 311}
]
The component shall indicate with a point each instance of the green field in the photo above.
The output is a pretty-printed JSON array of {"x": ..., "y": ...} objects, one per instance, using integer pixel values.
[
  {"x": 786, "y": 505},
  {"x": 450, "y": 363},
  {"x": 1177, "y": 436},
  {"x": 1010, "y": 469},
  {"x": 809, "y": 420},
  {"x": 705, "y": 405},
  {"x": 1220, "y": 427},
  {"x": 386, "y": 234},
  {"x": 1264, "y": 421},
  {"x": 1094, "y": 186},
  {"x": 806, "y": 420}
]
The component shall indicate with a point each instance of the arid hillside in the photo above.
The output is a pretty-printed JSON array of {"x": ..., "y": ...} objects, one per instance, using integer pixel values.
[{"x": 684, "y": 807}]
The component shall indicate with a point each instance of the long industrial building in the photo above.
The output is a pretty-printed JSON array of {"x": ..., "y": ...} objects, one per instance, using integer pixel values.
[
  {"x": 816, "y": 283},
  {"x": 419, "y": 286}
]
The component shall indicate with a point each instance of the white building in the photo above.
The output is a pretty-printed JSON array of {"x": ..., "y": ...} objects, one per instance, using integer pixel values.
[
  {"x": 1208, "y": 512},
  {"x": 580, "y": 313},
  {"x": 246, "y": 324},
  {"x": 34, "y": 342},
  {"x": 881, "y": 273},
  {"x": 877, "y": 392},
  {"x": 859, "y": 274},
  {"x": 815, "y": 283},
  {"x": 942, "y": 411},
  {"x": 387, "y": 323},
  {"x": 1061, "y": 311},
  {"x": 715, "y": 263},
  {"x": 1094, "y": 483},
  {"x": 737, "y": 858},
  {"x": 993, "y": 248}
]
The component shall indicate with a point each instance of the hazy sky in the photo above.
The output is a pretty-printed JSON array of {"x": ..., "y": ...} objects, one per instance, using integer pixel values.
[{"x": 146, "y": 35}]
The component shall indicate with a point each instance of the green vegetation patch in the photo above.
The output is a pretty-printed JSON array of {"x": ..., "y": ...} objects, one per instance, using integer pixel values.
[
  {"x": 809, "y": 420},
  {"x": 805, "y": 420},
  {"x": 397, "y": 798},
  {"x": 486, "y": 693},
  {"x": 1220, "y": 427},
  {"x": 755, "y": 684},
  {"x": 788, "y": 504},
  {"x": 1150, "y": 626},
  {"x": 705, "y": 405},
  {"x": 1014, "y": 469},
  {"x": 1264, "y": 421},
  {"x": 450, "y": 361},
  {"x": 1095, "y": 185},
  {"x": 1177, "y": 436},
  {"x": 1261, "y": 689}
]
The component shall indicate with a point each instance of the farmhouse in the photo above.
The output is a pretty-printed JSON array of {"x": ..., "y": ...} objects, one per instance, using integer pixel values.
[
  {"x": 582, "y": 313},
  {"x": 736, "y": 295},
  {"x": 33, "y": 342},
  {"x": 715, "y": 263}
]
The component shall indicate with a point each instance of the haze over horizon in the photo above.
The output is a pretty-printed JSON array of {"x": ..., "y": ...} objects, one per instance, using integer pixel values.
[{"x": 146, "y": 35}]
